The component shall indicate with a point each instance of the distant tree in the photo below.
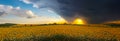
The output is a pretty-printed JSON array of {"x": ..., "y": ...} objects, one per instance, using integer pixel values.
[
  {"x": 54, "y": 23},
  {"x": 7, "y": 24},
  {"x": 25, "y": 24},
  {"x": 65, "y": 23},
  {"x": 113, "y": 24},
  {"x": 31, "y": 25}
]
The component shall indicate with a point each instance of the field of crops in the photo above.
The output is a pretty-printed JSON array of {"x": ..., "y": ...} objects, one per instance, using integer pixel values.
[{"x": 59, "y": 33}]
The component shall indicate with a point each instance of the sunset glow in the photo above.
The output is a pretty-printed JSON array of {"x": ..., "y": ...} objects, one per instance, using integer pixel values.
[
  {"x": 61, "y": 21},
  {"x": 78, "y": 21}
]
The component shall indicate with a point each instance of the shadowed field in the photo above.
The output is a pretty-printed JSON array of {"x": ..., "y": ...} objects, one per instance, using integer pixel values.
[{"x": 59, "y": 33}]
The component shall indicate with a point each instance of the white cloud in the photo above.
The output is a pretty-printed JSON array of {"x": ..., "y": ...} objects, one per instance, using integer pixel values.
[
  {"x": 42, "y": 3},
  {"x": 4, "y": 10},
  {"x": 26, "y": 1},
  {"x": 2, "y": 13},
  {"x": 30, "y": 2},
  {"x": 36, "y": 6},
  {"x": 18, "y": 8}
]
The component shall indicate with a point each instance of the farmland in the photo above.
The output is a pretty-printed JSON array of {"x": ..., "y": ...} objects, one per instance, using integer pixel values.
[{"x": 60, "y": 33}]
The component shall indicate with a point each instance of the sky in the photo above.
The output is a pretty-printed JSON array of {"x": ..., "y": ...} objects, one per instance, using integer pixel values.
[
  {"x": 50, "y": 11},
  {"x": 18, "y": 11}
]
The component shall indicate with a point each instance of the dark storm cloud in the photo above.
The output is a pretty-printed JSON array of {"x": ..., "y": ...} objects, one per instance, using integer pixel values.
[{"x": 96, "y": 11}]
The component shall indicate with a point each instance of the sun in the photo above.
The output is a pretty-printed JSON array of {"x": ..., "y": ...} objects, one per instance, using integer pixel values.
[{"x": 78, "y": 21}]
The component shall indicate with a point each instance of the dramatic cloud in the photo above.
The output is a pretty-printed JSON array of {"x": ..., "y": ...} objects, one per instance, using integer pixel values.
[
  {"x": 2, "y": 13},
  {"x": 5, "y": 10},
  {"x": 94, "y": 11},
  {"x": 42, "y": 3}
]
